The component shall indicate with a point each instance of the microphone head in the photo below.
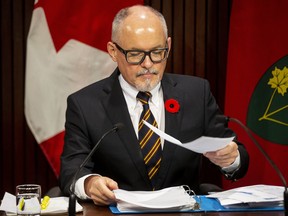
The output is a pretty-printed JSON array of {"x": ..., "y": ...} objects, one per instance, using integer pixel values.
[{"x": 118, "y": 126}]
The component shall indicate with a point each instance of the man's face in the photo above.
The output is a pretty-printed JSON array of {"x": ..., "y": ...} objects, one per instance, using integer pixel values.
[{"x": 143, "y": 35}]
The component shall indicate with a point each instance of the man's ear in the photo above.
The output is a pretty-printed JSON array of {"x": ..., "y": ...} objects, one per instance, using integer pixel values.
[
  {"x": 112, "y": 50},
  {"x": 169, "y": 42}
]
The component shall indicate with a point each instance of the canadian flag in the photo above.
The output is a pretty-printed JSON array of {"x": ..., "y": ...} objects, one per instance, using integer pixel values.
[{"x": 66, "y": 50}]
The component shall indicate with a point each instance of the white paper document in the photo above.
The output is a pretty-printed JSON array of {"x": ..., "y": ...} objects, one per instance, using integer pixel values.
[
  {"x": 56, "y": 205},
  {"x": 253, "y": 196},
  {"x": 172, "y": 198},
  {"x": 201, "y": 145}
]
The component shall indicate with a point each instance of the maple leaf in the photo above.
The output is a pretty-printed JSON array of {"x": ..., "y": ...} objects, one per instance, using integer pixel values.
[{"x": 279, "y": 80}]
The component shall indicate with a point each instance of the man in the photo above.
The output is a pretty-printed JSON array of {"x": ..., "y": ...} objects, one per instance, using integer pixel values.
[{"x": 182, "y": 106}]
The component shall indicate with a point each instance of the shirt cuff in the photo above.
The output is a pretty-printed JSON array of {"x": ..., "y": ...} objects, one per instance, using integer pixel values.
[
  {"x": 79, "y": 187},
  {"x": 234, "y": 166}
]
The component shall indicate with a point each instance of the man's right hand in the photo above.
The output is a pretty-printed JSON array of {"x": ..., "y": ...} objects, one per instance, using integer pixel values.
[{"x": 100, "y": 189}]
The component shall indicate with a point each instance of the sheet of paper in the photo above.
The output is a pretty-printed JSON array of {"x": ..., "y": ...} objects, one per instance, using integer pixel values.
[
  {"x": 56, "y": 205},
  {"x": 201, "y": 145},
  {"x": 250, "y": 194}
]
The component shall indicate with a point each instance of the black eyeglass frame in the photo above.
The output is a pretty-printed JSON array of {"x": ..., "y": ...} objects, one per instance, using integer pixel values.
[{"x": 125, "y": 52}]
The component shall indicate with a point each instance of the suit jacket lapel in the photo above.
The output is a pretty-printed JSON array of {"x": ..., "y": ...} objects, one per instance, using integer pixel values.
[
  {"x": 172, "y": 127},
  {"x": 172, "y": 120},
  {"x": 117, "y": 111}
]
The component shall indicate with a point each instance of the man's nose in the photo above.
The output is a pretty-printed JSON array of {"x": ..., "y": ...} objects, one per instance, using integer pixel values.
[{"x": 147, "y": 63}]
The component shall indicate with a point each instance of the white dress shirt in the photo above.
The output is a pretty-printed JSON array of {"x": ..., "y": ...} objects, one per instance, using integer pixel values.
[{"x": 135, "y": 107}]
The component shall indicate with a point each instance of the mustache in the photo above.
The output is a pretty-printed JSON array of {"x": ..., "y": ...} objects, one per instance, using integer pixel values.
[{"x": 143, "y": 72}]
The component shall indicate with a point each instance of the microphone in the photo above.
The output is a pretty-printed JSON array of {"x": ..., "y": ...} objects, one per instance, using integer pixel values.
[
  {"x": 226, "y": 119},
  {"x": 72, "y": 197}
]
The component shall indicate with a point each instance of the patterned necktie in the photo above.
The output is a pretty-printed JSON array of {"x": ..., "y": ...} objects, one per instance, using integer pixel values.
[{"x": 149, "y": 141}]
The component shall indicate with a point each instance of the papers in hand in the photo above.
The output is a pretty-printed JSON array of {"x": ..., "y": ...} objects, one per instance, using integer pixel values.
[
  {"x": 168, "y": 199},
  {"x": 56, "y": 205},
  {"x": 201, "y": 145},
  {"x": 251, "y": 196}
]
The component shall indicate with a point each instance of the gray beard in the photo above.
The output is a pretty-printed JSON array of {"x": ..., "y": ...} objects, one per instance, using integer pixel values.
[{"x": 148, "y": 85}]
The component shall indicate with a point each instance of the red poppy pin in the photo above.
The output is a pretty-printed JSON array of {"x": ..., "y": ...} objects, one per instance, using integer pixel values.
[{"x": 172, "y": 105}]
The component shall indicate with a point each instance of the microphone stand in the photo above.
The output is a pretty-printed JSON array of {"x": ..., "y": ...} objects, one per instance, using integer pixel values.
[
  {"x": 72, "y": 197},
  {"x": 248, "y": 131}
]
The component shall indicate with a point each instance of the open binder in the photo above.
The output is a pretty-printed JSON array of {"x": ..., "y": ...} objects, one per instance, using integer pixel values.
[
  {"x": 177, "y": 199},
  {"x": 206, "y": 205}
]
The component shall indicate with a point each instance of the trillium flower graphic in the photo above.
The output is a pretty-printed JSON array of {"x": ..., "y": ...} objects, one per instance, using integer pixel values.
[
  {"x": 267, "y": 114},
  {"x": 279, "y": 82}
]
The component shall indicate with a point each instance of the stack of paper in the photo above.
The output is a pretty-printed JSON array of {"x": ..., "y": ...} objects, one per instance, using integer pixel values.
[
  {"x": 254, "y": 196},
  {"x": 168, "y": 199}
]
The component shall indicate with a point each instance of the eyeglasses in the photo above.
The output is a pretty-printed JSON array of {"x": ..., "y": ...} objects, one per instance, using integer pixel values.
[{"x": 136, "y": 57}]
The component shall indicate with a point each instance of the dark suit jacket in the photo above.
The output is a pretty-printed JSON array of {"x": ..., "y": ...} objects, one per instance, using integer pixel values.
[{"x": 95, "y": 109}]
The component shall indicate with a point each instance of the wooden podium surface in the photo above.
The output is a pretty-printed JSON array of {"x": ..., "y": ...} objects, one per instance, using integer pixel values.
[{"x": 89, "y": 209}]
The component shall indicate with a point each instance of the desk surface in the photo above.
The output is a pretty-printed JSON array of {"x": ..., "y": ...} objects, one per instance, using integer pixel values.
[{"x": 89, "y": 209}]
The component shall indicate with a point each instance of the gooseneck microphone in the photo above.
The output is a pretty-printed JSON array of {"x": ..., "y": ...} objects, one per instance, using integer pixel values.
[
  {"x": 72, "y": 197},
  {"x": 222, "y": 118}
]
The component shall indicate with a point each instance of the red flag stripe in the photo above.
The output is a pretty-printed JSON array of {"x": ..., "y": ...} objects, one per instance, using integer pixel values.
[{"x": 52, "y": 149}]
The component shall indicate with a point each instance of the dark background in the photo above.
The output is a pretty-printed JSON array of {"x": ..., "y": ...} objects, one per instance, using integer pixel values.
[{"x": 199, "y": 31}]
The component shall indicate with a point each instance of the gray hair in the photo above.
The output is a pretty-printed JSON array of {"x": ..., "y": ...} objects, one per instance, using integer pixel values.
[{"x": 125, "y": 12}]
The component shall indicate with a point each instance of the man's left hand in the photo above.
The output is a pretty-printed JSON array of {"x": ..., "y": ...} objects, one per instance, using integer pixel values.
[{"x": 224, "y": 157}]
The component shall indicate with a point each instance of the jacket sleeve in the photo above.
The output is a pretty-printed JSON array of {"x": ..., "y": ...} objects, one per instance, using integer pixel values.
[{"x": 76, "y": 146}]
